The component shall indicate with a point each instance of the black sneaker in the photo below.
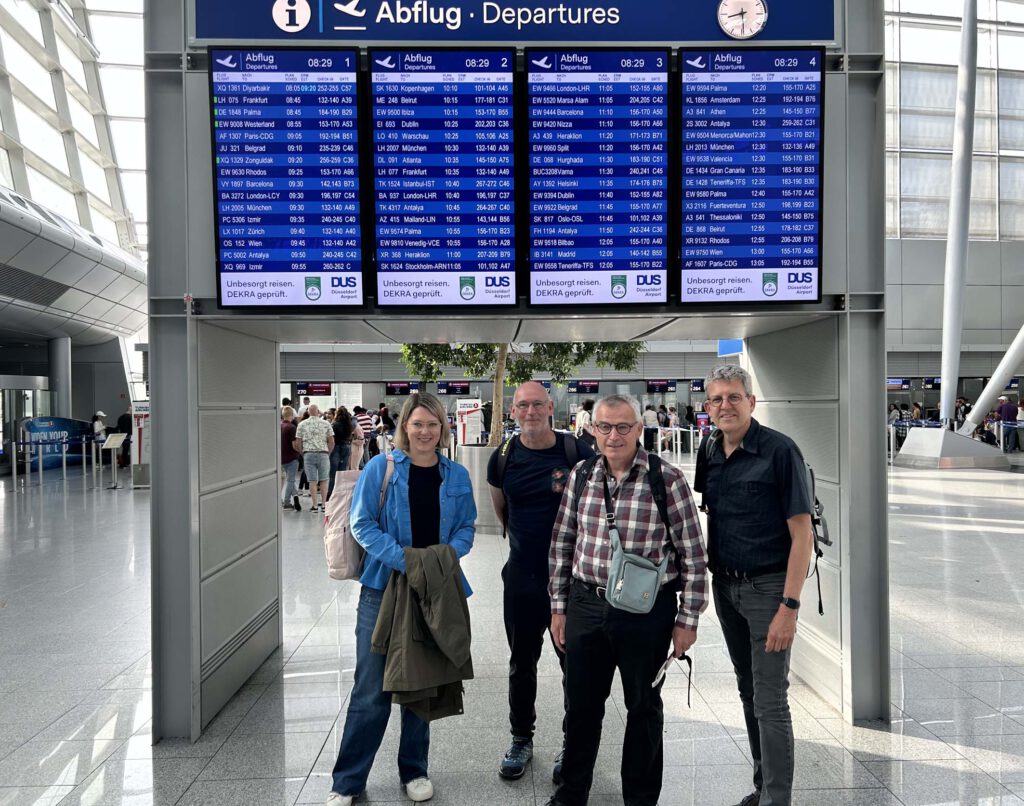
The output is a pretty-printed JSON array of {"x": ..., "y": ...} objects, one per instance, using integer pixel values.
[
  {"x": 296, "y": 504},
  {"x": 556, "y": 773},
  {"x": 752, "y": 799},
  {"x": 513, "y": 766}
]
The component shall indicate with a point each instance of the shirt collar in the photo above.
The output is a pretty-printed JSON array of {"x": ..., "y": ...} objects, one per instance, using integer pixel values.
[
  {"x": 640, "y": 460},
  {"x": 750, "y": 439}
]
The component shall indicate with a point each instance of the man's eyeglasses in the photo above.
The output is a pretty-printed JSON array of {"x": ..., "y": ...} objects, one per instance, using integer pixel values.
[
  {"x": 619, "y": 428},
  {"x": 734, "y": 400},
  {"x": 536, "y": 405}
]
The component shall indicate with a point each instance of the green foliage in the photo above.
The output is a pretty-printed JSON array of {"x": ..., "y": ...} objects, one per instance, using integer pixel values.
[{"x": 428, "y": 362}]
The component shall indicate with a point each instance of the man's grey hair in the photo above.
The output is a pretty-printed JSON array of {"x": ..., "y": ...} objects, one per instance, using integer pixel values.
[
  {"x": 729, "y": 373},
  {"x": 313, "y": 410},
  {"x": 619, "y": 400}
]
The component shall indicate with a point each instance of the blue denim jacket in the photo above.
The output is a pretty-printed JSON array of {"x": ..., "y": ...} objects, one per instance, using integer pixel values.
[{"x": 385, "y": 540}]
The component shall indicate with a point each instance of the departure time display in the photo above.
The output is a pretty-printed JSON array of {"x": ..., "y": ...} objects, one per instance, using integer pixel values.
[
  {"x": 443, "y": 176},
  {"x": 287, "y": 177},
  {"x": 752, "y": 137},
  {"x": 598, "y": 139}
]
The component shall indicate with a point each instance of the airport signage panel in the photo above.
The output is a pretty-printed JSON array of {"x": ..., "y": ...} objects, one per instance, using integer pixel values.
[
  {"x": 401, "y": 387},
  {"x": 931, "y": 383},
  {"x": 661, "y": 387},
  {"x": 443, "y": 176},
  {"x": 311, "y": 389},
  {"x": 598, "y": 175},
  {"x": 752, "y": 150},
  {"x": 359, "y": 21},
  {"x": 286, "y": 177},
  {"x": 583, "y": 387},
  {"x": 897, "y": 384},
  {"x": 697, "y": 385},
  {"x": 453, "y": 387}
]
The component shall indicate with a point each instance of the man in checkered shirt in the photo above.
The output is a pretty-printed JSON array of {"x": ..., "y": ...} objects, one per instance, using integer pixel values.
[{"x": 599, "y": 638}]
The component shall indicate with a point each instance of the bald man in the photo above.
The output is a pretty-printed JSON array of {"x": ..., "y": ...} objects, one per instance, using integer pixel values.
[{"x": 527, "y": 475}]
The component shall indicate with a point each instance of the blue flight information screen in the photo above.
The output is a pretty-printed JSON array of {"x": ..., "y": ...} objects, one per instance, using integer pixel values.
[
  {"x": 443, "y": 164},
  {"x": 598, "y": 173},
  {"x": 287, "y": 177},
  {"x": 752, "y": 139}
]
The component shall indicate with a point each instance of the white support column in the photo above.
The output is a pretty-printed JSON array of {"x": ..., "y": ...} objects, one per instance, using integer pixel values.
[{"x": 959, "y": 211}]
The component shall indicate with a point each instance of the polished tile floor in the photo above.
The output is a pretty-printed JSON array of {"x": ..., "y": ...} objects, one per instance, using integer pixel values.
[{"x": 75, "y": 678}]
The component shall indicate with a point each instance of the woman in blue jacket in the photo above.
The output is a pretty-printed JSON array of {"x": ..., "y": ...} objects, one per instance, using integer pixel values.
[{"x": 429, "y": 500}]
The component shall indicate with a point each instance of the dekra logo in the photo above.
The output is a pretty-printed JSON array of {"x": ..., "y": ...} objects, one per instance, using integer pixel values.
[
  {"x": 648, "y": 279},
  {"x": 343, "y": 282},
  {"x": 794, "y": 277},
  {"x": 496, "y": 282}
]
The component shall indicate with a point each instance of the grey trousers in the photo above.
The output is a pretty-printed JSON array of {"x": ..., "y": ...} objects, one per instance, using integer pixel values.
[{"x": 745, "y": 609}]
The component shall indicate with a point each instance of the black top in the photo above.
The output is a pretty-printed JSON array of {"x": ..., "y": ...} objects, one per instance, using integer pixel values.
[
  {"x": 425, "y": 505},
  {"x": 749, "y": 497},
  {"x": 534, "y": 481}
]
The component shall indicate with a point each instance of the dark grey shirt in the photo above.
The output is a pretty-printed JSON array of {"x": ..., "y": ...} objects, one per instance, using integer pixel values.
[{"x": 749, "y": 497}]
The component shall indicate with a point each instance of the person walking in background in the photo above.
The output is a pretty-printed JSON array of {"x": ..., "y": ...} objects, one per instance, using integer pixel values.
[
  {"x": 314, "y": 439},
  {"x": 428, "y": 501},
  {"x": 99, "y": 427},
  {"x": 365, "y": 422},
  {"x": 289, "y": 461},
  {"x": 342, "y": 427},
  {"x": 355, "y": 455},
  {"x": 584, "y": 423},
  {"x": 304, "y": 408},
  {"x": 124, "y": 426},
  {"x": 650, "y": 420},
  {"x": 1007, "y": 413}
]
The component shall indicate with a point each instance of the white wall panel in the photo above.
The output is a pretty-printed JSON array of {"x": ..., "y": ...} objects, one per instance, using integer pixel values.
[{"x": 922, "y": 307}]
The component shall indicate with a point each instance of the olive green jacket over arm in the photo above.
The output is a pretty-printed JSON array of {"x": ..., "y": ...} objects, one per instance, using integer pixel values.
[{"x": 423, "y": 629}]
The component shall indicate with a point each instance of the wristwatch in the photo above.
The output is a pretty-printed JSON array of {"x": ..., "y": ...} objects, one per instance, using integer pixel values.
[{"x": 792, "y": 604}]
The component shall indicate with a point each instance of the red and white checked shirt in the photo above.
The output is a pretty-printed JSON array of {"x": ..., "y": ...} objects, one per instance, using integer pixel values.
[{"x": 581, "y": 546}]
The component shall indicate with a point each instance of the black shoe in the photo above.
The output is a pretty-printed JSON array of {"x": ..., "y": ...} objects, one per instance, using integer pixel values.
[
  {"x": 556, "y": 773},
  {"x": 296, "y": 504},
  {"x": 554, "y": 802},
  {"x": 752, "y": 799},
  {"x": 513, "y": 766}
]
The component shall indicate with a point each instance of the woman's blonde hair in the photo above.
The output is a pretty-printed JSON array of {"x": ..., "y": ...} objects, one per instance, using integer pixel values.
[{"x": 431, "y": 404}]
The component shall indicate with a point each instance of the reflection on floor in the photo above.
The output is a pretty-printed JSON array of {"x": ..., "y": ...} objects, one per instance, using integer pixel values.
[{"x": 75, "y": 702}]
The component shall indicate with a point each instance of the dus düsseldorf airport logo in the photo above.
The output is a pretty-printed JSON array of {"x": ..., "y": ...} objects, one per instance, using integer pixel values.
[{"x": 313, "y": 288}]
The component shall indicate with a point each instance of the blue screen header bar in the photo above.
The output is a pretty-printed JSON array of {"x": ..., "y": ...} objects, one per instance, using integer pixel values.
[{"x": 511, "y": 21}]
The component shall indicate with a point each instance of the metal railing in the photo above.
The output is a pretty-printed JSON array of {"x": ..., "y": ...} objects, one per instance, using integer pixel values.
[{"x": 30, "y": 449}]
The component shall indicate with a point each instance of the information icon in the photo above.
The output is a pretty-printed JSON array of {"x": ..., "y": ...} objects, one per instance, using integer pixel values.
[{"x": 291, "y": 16}]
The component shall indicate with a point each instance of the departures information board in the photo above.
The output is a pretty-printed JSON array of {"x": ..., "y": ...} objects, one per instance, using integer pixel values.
[
  {"x": 443, "y": 160},
  {"x": 752, "y": 150},
  {"x": 598, "y": 175},
  {"x": 286, "y": 177}
]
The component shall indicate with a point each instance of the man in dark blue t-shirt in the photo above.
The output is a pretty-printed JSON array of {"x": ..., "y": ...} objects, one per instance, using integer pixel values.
[{"x": 527, "y": 476}]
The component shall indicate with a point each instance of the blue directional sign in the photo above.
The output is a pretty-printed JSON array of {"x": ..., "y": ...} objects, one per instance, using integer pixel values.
[
  {"x": 752, "y": 150},
  {"x": 287, "y": 177},
  {"x": 443, "y": 176},
  {"x": 461, "y": 21},
  {"x": 598, "y": 145}
]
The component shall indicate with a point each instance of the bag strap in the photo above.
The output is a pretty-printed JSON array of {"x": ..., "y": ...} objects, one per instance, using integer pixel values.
[
  {"x": 700, "y": 476},
  {"x": 609, "y": 516},
  {"x": 656, "y": 481},
  {"x": 571, "y": 449},
  {"x": 504, "y": 452},
  {"x": 388, "y": 473}
]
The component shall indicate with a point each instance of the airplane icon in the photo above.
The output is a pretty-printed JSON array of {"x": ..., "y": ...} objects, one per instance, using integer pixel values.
[
  {"x": 388, "y": 63},
  {"x": 544, "y": 64},
  {"x": 698, "y": 62},
  {"x": 227, "y": 61},
  {"x": 351, "y": 8}
]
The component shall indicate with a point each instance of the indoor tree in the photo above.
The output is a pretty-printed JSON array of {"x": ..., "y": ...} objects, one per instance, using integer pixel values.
[{"x": 515, "y": 364}]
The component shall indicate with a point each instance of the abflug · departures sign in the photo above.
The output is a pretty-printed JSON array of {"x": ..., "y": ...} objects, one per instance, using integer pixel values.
[{"x": 496, "y": 21}]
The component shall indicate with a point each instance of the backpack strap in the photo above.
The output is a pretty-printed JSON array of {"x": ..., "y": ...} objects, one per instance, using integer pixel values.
[
  {"x": 700, "y": 477},
  {"x": 504, "y": 452},
  {"x": 571, "y": 449},
  {"x": 388, "y": 473},
  {"x": 583, "y": 473},
  {"x": 656, "y": 481}
]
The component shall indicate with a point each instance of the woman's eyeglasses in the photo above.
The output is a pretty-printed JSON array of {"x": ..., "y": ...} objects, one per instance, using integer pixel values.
[{"x": 619, "y": 428}]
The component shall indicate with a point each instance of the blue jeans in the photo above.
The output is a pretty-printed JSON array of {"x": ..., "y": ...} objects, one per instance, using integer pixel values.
[
  {"x": 290, "y": 469},
  {"x": 339, "y": 461},
  {"x": 745, "y": 609},
  {"x": 369, "y": 709}
]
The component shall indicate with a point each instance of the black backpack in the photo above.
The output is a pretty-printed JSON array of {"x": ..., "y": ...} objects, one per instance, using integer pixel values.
[
  {"x": 819, "y": 526},
  {"x": 569, "y": 448}
]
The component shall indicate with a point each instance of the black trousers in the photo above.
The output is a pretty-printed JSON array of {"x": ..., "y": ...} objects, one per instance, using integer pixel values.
[
  {"x": 527, "y": 619},
  {"x": 598, "y": 640}
]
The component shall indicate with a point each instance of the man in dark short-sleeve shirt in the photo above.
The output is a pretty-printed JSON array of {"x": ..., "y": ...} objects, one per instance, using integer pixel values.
[
  {"x": 760, "y": 545},
  {"x": 526, "y": 498}
]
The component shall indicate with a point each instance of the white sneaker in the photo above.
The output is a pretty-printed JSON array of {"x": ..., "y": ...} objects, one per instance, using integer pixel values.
[
  {"x": 419, "y": 790},
  {"x": 334, "y": 799}
]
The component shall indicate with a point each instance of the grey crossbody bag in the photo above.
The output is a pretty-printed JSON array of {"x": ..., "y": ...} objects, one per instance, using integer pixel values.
[{"x": 633, "y": 581}]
